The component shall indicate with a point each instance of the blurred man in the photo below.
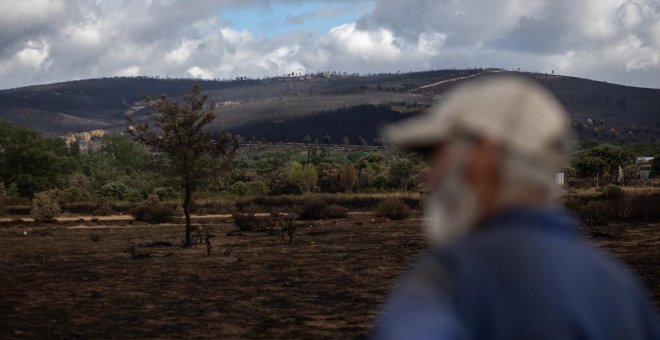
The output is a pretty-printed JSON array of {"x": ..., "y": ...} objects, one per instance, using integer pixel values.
[{"x": 506, "y": 261}]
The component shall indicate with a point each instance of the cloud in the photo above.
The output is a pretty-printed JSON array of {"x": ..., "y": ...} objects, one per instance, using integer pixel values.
[{"x": 45, "y": 41}]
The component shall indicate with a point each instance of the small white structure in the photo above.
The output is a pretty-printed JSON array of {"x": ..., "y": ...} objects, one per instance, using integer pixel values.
[
  {"x": 644, "y": 164},
  {"x": 559, "y": 178}
]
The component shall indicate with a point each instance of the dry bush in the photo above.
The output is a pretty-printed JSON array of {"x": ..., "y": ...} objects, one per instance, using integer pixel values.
[
  {"x": 393, "y": 209},
  {"x": 226, "y": 207},
  {"x": 287, "y": 228},
  {"x": 334, "y": 211},
  {"x": 313, "y": 210},
  {"x": 594, "y": 213},
  {"x": 45, "y": 207},
  {"x": 616, "y": 205},
  {"x": 612, "y": 192},
  {"x": 153, "y": 212},
  {"x": 250, "y": 222},
  {"x": 104, "y": 210}
]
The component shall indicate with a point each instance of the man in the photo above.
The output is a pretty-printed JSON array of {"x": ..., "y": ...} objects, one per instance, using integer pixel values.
[{"x": 506, "y": 261}]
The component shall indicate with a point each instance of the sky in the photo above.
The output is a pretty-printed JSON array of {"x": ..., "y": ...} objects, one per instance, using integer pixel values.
[{"x": 44, "y": 41}]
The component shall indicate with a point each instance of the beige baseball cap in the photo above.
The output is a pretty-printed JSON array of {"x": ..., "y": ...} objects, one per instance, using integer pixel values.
[{"x": 515, "y": 112}]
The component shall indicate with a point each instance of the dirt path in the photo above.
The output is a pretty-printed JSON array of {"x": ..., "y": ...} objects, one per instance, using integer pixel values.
[{"x": 454, "y": 79}]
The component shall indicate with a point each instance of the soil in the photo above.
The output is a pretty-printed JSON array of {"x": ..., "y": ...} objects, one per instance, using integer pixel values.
[{"x": 69, "y": 280}]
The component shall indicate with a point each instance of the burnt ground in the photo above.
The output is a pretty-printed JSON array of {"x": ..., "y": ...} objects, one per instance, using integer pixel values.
[{"x": 62, "y": 282}]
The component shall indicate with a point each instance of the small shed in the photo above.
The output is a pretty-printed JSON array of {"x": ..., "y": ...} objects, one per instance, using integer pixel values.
[{"x": 644, "y": 164}]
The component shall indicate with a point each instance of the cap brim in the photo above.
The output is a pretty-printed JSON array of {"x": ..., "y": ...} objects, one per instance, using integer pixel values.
[{"x": 417, "y": 134}]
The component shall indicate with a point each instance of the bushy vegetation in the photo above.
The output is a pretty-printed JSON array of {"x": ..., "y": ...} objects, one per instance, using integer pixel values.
[
  {"x": 113, "y": 168},
  {"x": 250, "y": 222},
  {"x": 602, "y": 161},
  {"x": 615, "y": 205},
  {"x": 393, "y": 209},
  {"x": 45, "y": 206},
  {"x": 318, "y": 209},
  {"x": 153, "y": 211}
]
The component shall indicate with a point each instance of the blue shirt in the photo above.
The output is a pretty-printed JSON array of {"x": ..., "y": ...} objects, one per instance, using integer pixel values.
[{"x": 527, "y": 274}]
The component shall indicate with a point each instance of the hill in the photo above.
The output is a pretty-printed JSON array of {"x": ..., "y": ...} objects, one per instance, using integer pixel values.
[{"x": 337, "y": 105}]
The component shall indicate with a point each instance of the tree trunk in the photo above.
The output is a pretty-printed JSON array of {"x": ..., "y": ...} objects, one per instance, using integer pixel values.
[{"x": 186, "y": 211}]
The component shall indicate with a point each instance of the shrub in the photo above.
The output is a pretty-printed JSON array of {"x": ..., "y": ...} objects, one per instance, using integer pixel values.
[
  {"x": 593, "y": 213},
  {"x": 334, "y": 211},
  {"x": 256, "y": 188},
  {"x": 393, "y": 209},
  {"x": 45, "y": 207},
  {"x": 104, "y": 210},
  {"x": 116, "y": 191},
  {"x": 226, "y": 207},
  {"x": 612, "y": 192},
  {"x": 75, "y": 194},
  {"x": 250, "y": 222},
  {"x": 313, "y": 210},
  {"x": 164, "y": 193},
  {"x": 241, "y": 188},
  {"x": 153, "y": 212}
]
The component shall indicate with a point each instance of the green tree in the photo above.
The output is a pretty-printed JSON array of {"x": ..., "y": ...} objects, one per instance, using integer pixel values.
[
  {"x": 346, "y": 141},
  {"x": 179, "y": 131},
  {"x": 304, "y": 177},
  {"x": 401, "y": 172},
  {"x": 127, "y": 155},
  {"x": 589, "y": 166},
  {"x": 613, "y": 155},
  {"x": 33, "y": 163}
]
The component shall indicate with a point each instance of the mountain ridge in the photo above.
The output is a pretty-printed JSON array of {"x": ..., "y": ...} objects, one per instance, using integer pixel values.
[{"x": 281, "y": 108}]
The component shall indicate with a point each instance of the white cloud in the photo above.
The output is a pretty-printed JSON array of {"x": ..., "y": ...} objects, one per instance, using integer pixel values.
[
  {"x": 182, "y": 53},
  {"x": 198, "y": 72},
  {"x": 33, "y": 55},
  {"x": 128, "y": 72},
  {"x": 45, "y": 41}
]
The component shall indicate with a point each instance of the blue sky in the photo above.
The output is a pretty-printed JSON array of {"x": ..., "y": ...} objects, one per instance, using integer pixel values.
[{"x": 316, "y": 17}]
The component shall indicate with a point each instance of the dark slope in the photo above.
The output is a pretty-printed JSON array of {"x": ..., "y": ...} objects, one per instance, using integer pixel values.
[{"x": 287, "y": 108}]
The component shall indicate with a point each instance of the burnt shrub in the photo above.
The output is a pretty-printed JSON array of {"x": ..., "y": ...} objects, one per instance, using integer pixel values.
[
  {"x": 393, "y": 209},
  {"x": 644, "y": 207},
  {"x": 153, "y": 212},
  {"x": 250, "y": 222},
  {"x": 104, "y": 209},
  {"x": 334, "y": 211},
  {"x": 612, "y": 192},
  {"x": 226, "y": 207},
  {"x": 313, "y": 210},
  {"x": 594, "y": 213}
]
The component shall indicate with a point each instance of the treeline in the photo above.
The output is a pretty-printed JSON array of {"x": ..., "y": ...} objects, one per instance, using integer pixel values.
[{"x": 120, "y": 169}]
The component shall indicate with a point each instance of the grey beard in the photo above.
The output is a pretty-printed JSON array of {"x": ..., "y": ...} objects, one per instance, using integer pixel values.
[{"x": 452, "y": 209}]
